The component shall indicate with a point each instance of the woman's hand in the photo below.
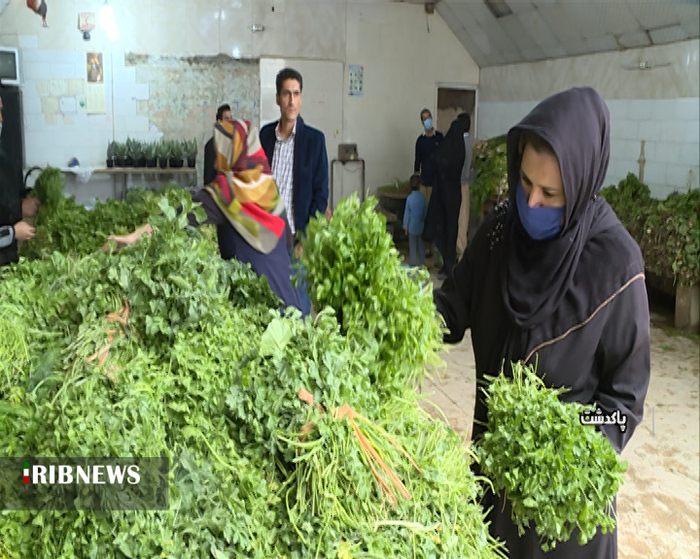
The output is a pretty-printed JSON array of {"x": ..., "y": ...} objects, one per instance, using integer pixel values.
[
  {"x": 24, "y": 231},
  {"x": 130, "y": 239},
  {"x": 298, "y": 250},
  {"x": 120, "y": 240}
]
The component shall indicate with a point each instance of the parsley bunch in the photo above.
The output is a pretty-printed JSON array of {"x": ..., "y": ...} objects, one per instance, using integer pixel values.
[
  {"x": 48, "y": 188},
  {"x": 556, "y": 473},
  {"x": 353, "y": 267}
]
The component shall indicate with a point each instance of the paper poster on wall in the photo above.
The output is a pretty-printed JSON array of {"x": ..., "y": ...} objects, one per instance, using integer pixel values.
[
  {"x": 94, "y": 67},
  {"x": 356, "y": 87},
  {"x": 95, "y": 99},
  {"x": 95, "y": 103}
]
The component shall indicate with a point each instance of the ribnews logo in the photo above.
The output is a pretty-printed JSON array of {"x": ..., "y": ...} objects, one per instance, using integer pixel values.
[
  {"x": 84, "y": 483},
  {"x": 67, "y": 474}
]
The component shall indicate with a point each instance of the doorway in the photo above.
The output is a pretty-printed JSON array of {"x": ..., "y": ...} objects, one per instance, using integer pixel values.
[{"x": 453, "y": 100}]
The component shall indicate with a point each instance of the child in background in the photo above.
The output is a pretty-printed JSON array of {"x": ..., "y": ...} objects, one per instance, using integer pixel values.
[{"x": 414, "y": 221}]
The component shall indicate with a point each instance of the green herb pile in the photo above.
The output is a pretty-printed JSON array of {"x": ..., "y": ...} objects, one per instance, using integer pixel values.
[
  {"x": 556, "y": 472},
  {"x": 353, "y": 267},
  {"x": 205, "y": 371},
  {"x": 67, "y": 227},
  {"x": 667, "y": 231},
  {"x": 490, "y": 171}
]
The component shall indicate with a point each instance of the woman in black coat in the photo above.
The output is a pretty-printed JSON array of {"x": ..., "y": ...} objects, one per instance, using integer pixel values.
[
  {"x": 552, "y": 276},
  {"x": 449, "y": 161}
]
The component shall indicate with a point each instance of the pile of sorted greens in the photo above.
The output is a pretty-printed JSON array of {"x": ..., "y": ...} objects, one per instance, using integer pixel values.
[
  {"x": 668, "y": 231},
  {"x": 556, "y": 472},
  {"x": 164, "y": 349}
]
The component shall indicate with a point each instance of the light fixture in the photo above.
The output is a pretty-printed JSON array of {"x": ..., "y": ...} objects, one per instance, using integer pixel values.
[{"x": 108, "y": 22}]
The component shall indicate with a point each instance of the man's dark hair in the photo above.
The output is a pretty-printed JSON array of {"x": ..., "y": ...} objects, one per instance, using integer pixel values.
[
  {"x": 426, "y": 110},
  {"x": 414, "y": 181},
  {"x": 288, "y": 74},
  {"x": 221, "y": 110}
]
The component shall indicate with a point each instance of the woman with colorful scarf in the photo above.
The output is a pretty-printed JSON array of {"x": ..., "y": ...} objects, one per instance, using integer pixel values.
[{"x": 244, "y": 204}]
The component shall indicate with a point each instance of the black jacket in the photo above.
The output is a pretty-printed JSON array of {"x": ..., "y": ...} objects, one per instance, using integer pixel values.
[
  {"x": 310, "y": 174},
  {"x": 10, "y": 206},
  {"x": 209, "y": 160}
]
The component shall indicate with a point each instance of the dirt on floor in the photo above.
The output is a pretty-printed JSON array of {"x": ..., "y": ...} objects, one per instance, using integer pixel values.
[{"x": 659, "y": 504}]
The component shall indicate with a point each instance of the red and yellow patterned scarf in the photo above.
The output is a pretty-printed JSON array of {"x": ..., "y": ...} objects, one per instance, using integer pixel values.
[{"x": 244, "y": 188}]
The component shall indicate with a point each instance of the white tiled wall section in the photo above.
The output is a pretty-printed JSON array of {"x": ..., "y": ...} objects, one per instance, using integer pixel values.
[
  {"x": 53, "y": 136},
  {"x": 670, "y": 129}
]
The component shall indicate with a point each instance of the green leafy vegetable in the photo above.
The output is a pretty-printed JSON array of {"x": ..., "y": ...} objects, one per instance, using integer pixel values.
[
  {"x": 165, "y": 349},
  {"x": 490, "y": 171},
  {"x": 354, "y": 268},
  {"x": 556, "y": 472},
  {"x": 48, "y": 188},
  {"x": 667, "y": 231}
]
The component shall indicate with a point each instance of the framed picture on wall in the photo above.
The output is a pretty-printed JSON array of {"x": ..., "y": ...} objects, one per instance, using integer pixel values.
[
  {"x": 95, "y": 100},
  {"x": 95, "y": 67}
]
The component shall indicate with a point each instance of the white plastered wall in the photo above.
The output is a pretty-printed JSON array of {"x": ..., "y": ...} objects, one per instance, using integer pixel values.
[
  {"x": 405, "y": 54},
  {"x": 659, "y": 106}
]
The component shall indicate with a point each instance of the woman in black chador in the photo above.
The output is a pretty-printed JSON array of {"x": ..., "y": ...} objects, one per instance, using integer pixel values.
[
  {"x": 553, "y": 276},
  {"x": 449, "y": 161}
]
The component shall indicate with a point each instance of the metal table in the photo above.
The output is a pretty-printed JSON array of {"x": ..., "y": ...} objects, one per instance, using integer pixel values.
[{"x": 124, "y": 173}]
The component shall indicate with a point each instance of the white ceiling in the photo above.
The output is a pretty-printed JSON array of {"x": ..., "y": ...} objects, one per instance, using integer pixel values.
[{"x": 544, "y": 29}]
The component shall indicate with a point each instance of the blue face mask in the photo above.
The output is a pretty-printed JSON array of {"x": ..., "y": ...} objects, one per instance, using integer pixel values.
[
  {"x": 428, "y": 123},
  {"x": 540, "y": 223}
]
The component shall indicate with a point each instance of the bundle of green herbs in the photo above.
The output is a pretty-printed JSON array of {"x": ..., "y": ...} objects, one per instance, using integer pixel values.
[
  {"x": 339, "y": 510},
  {"x": 353, "y": 267},
  {"x": 48, "y": 188},
  {"x": 557, "y": 473}
]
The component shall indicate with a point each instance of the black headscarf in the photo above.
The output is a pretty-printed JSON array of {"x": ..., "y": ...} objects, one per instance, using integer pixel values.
[
  {"x": 449, "y": 155},
  {"x": 537, "y": 275}
]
